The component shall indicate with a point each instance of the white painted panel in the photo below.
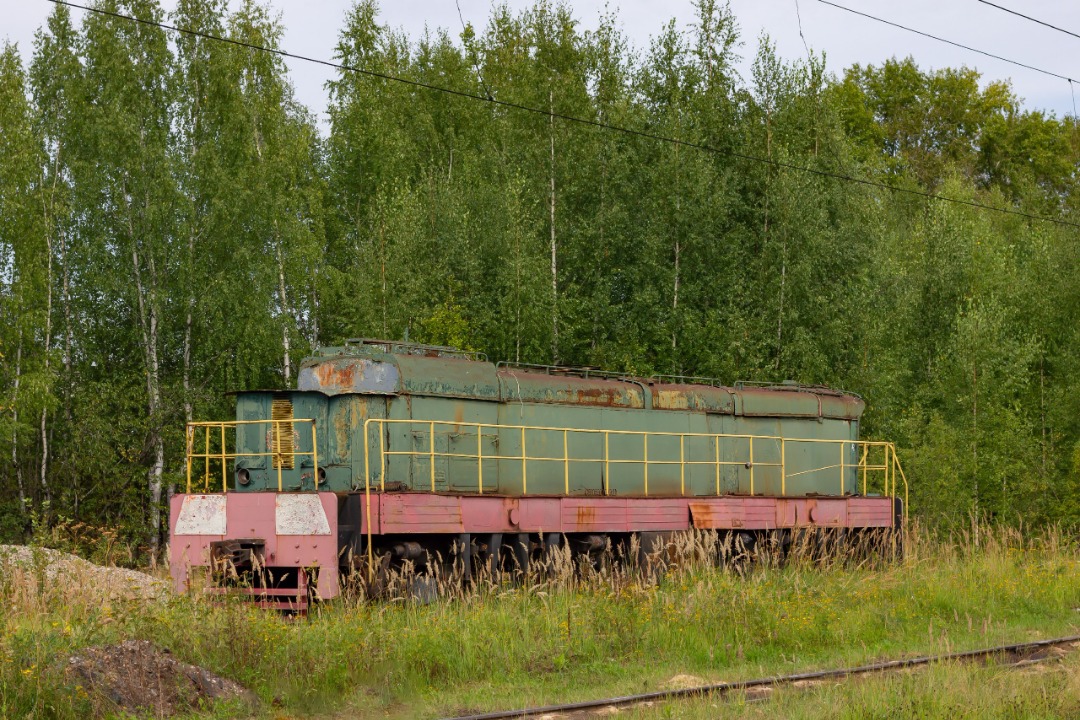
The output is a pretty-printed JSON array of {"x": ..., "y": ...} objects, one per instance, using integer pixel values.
[
  {"x": 201, "y": 515},
  {"x": 300, "y": 514}
]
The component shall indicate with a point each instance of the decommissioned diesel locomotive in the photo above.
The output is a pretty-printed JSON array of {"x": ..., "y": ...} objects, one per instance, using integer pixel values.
[{"x": 389, "y": 451}]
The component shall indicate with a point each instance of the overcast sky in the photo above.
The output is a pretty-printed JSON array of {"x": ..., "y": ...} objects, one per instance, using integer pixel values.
[{"x": 311, "y": 28}]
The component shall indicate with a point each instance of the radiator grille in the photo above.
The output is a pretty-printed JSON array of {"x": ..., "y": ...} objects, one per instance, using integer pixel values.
[{"x": 283, "y": 433}]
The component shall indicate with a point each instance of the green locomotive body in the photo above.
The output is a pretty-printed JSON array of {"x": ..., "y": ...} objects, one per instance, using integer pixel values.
[
  {"x": 401, "y": 452},
  {"x": 477, "y": 410}
]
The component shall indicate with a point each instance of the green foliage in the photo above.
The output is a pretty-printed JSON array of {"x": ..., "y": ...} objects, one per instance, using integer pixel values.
[{"x": 174, "y": 225}]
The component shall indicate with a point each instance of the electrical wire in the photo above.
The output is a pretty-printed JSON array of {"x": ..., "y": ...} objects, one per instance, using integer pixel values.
[
  {"x": 798, "y": 17},
  {"x": 476, "y": 62},
  {"x": 572, "y": 119},
  {"x": 948, "y": 42},
  {"x": 1028, "y": 17}
]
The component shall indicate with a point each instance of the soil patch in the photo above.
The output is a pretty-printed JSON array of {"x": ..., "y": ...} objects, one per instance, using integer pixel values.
[{"x": 135, "y": 676}]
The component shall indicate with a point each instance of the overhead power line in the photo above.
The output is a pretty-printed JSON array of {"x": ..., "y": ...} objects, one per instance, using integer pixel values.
[
  {"x": 573, "y": 119},
  {"x": 948, "y": 42},
  {"x": 1028, "y": 17}
]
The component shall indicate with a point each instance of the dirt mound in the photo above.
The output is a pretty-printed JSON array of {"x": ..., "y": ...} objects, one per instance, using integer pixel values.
[
  {"x": 135, "y": 676},
  {"x": 65, "y": 571}
]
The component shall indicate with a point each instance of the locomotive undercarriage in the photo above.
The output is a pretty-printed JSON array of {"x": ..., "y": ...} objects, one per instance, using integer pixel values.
[
  {"x": 507, "y": 555},
  {"x": 286, "y": 549},
  {"x": 423, "y": 566}
]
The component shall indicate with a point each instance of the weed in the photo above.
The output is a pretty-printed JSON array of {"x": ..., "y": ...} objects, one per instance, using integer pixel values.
[{"x": 567, "y": 629}]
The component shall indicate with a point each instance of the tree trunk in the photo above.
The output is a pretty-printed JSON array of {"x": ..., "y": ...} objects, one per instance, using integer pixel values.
[
  {"x": 382, "y": 272},
  {"x": 678, "y": 264},
  {"x": 554, "y": 261},
  {"x": 314, "y": 300},
  {"x": 1042, "y": 416},
  {"x": 15, "y": 425},
  {"x": 517, "y": 292},
  {"x": 48, "y": 350},
  {"x": 187, "y": 330},
  {"x": 157, "y": 471},
  {"x": 780, "y": 310},
  {"x": 975, "y": 430},
  {"x": 68, "y": 341},
  {"x": 284, "y": 309},
  {"x": 148, "y": 321}
]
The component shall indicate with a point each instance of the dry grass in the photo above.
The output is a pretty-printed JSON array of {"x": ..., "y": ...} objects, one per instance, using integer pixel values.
[
  {"x": 567, "y": 630},
  {"x": 621, "y": 566}
]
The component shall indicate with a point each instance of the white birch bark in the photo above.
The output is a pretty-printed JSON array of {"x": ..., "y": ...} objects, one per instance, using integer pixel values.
[
  {"x": 15, "y": 425},
  {"x": 554, "y": 247},
  {"x": 148, "y": 323}
]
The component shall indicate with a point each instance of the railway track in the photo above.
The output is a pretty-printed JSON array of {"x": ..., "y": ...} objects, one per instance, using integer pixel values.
[{"x": 1009, "y": 655}]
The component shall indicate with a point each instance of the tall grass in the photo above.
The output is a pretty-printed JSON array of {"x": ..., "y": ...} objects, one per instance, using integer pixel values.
[
  {"x": 621, "y": 564},
  {"x": 566, "y": 630}
]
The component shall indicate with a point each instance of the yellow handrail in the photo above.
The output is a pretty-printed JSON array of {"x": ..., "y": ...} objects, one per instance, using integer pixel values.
[
  {"x": 889, "y": 466},
  {"x": 223, "y": 456},
  {"x": 861, "y": 448}
]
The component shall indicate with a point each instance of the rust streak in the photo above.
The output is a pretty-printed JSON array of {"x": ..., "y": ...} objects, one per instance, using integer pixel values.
[
  {"x": 336, "y": 375},
  {"x": 586, "y": 515},
  {"x": 702, "y": 516}
]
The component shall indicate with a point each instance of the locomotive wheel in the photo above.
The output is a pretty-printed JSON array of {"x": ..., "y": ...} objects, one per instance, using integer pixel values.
[
  {"x": 551, "y": 547},
  {"x": 653, "y": 557},
  {"x": 519, "y": 546}
]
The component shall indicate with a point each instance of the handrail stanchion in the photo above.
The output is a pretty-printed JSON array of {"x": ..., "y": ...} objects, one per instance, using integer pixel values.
[
  {"x": 887, "y": 492},
  {"x": 751, "y": 463},
  {"x": 479, "y": 459},
  {"x": 206, "y": 458},
  {"x": 367, "y": 501},
  {"x": 644, "y": 460},
  {"x": 887, "y": 460},
  {"x": 682, "y": 465},
  {"x": 783, "y": 467},
  {"x": 315, "y": 454},
  {"x": 431, "y": 453},
  {"x": 524, "y": 462},
  {"x": 189, "y": 440},
  {"x": 904, "y": 478},
  {"x": 224, "y": 481},
  {"x": 277, "y": 450},
  {"x": 607, "y": 465},
  {"x": 716, "y": 445},
  {"x": 841, "y": 444},
  {"x": 865, "y": 461},
  {"x": 566, "y": 463}
]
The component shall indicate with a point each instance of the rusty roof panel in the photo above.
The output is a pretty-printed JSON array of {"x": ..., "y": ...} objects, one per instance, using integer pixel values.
[
  {"x": 518, "y": 386},
  {"x": 702, "y": 398},
  {"x": 367, "y": 370},
  {"x": 345, "y": 375}
]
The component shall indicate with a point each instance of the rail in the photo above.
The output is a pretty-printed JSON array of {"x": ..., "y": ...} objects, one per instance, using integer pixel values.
[
  {"x": 281, "y": 443},
  {"x": 1003, "y": 656}
]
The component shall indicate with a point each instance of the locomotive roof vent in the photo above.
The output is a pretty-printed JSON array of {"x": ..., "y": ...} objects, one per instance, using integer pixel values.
[
  {"x": 398, "y": 347},
  {"x": 582, "y": 371},
  {"x": 795, "y": 386}
]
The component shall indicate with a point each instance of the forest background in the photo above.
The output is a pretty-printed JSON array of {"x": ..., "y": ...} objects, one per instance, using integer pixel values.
[{"x": 174, "y": 226}]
